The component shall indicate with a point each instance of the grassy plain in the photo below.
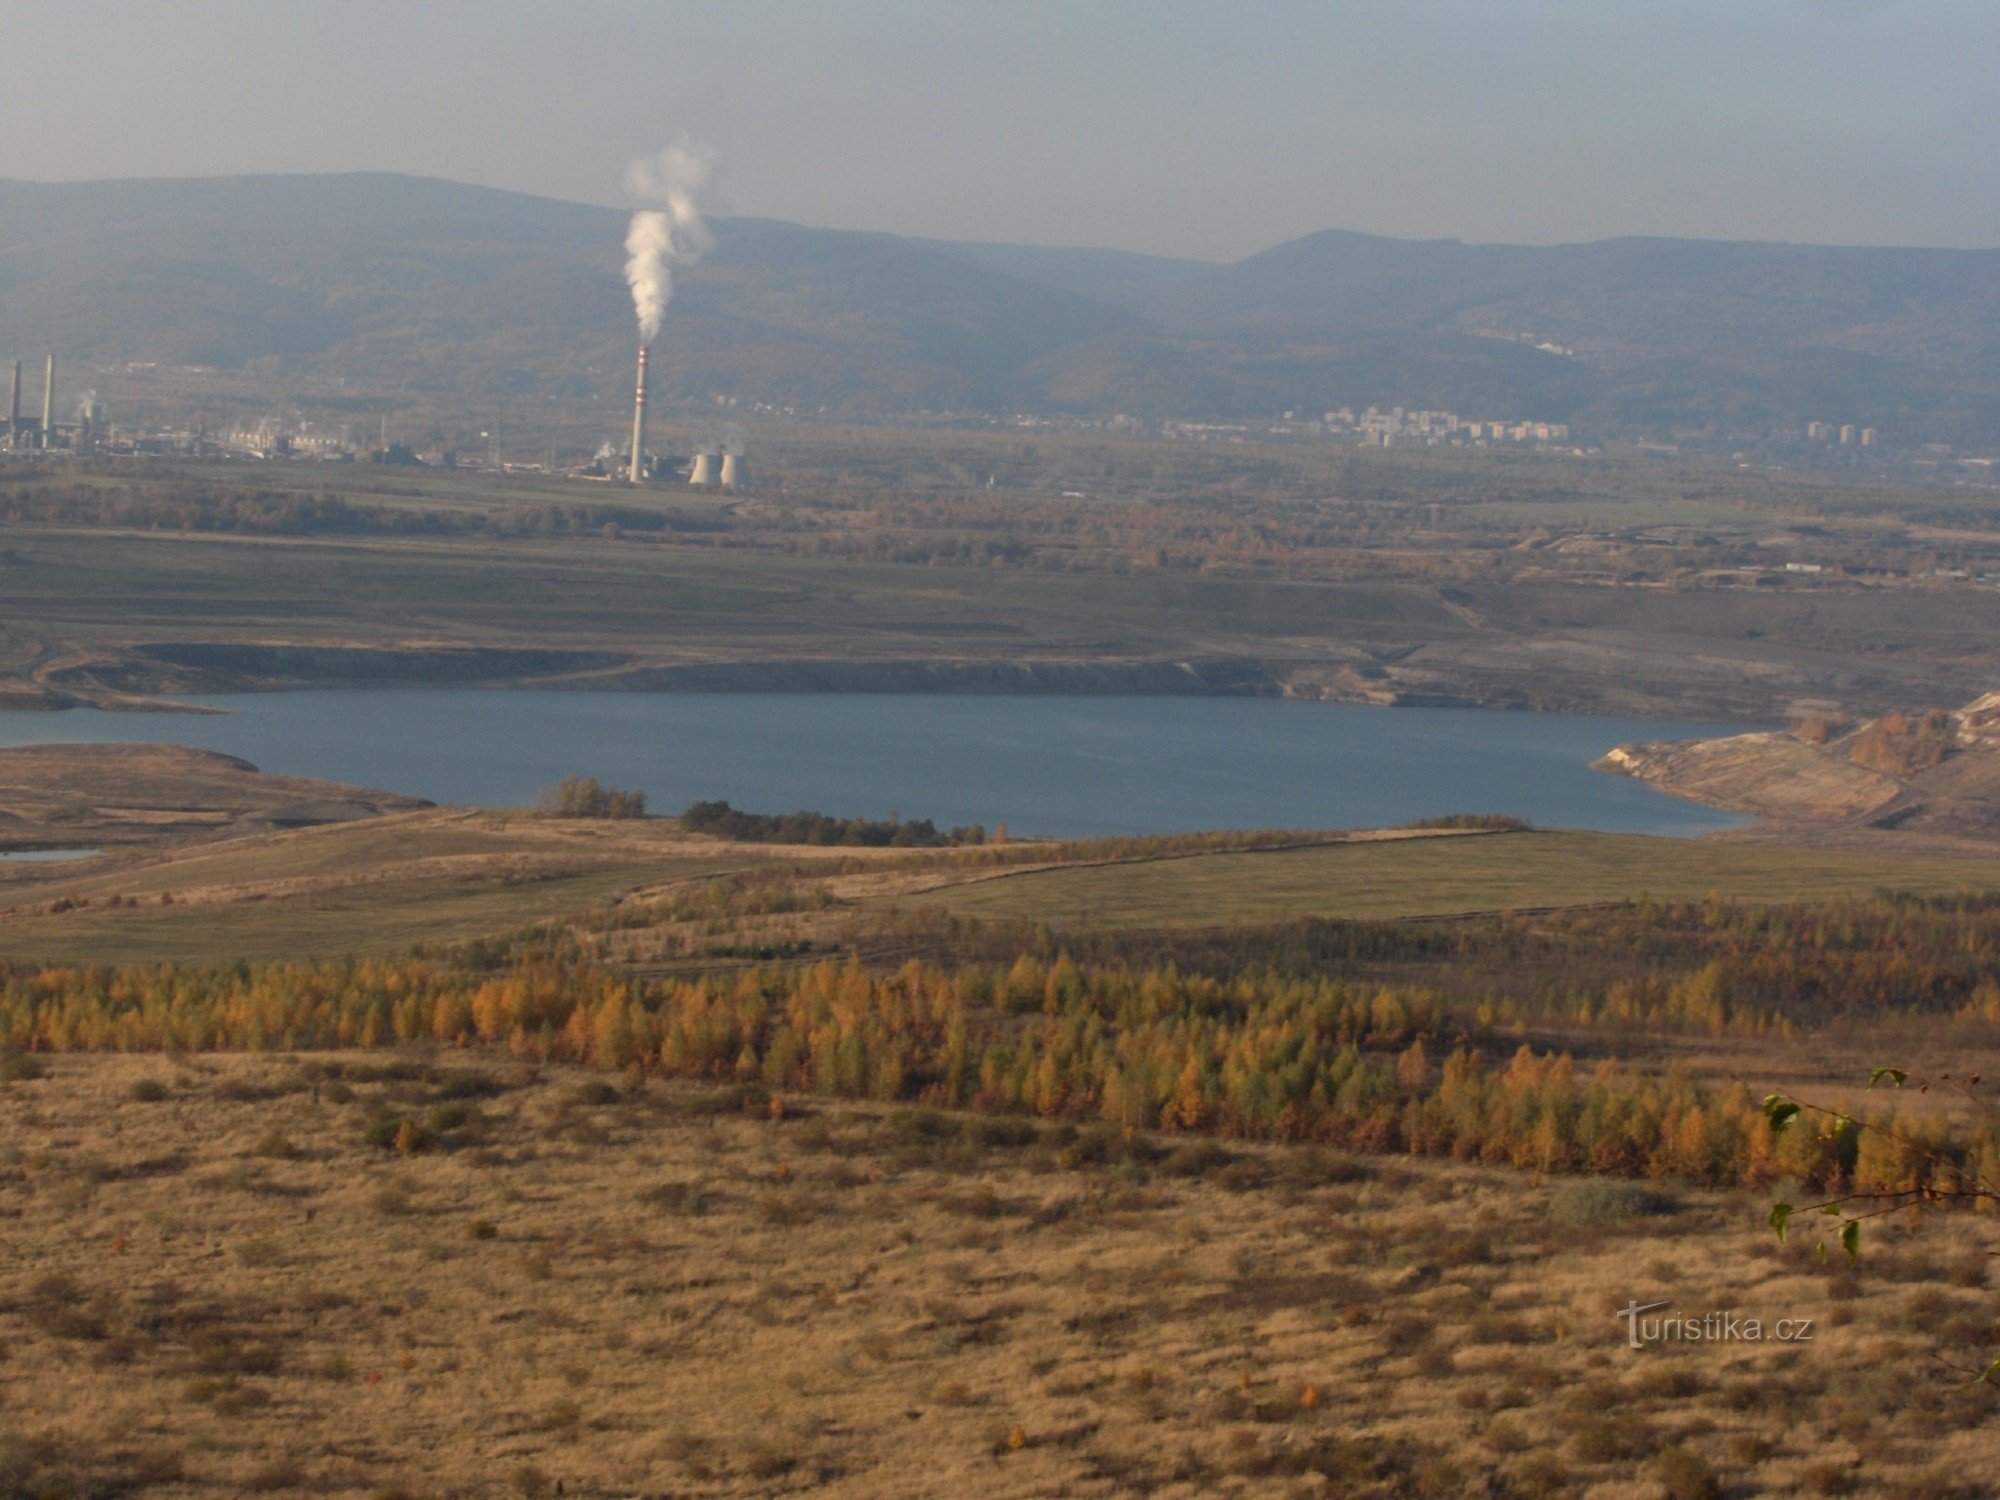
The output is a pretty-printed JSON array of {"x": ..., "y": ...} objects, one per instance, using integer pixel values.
[
  {"x": 365, "y": 888},
  {"x": 378, "y": 886},
  {"x": 1443, "y": 876},
  {"x": 219, "y": 1283}
]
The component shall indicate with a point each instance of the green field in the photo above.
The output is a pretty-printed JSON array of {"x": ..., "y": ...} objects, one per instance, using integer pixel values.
[{"x": 1441, "y": 876}]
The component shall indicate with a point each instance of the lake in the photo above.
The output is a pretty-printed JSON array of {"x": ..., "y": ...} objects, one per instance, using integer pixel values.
[{"x": 1065, "y": 766}]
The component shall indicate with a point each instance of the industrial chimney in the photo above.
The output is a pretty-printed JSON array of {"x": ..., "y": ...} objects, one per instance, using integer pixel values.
[
  {"x": 49, "y": 405},
  {"x": 733, "y": 477},
  {"x": 703, "y": 471},
  {"x": 14, "y": 419},
  {"x": 638, "y": 472}
]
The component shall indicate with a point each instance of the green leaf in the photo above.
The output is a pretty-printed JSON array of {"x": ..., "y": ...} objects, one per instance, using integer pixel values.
[
  {"x": 1831, "y": 1208},
  {"x": 1780, "y": 1214},
  {"x": 1850, "y": 1240},
  {"x": 1986, "y": 1375},
  {"x": 1780, "y": 1111},
  {"x": 1896, "y": 1076}
]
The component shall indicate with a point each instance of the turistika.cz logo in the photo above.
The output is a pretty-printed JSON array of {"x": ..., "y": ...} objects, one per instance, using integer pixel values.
[{"x": 1707, "y": 1328}]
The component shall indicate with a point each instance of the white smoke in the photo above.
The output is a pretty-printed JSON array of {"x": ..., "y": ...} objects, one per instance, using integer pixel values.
[{"x": 664, "y": 238}]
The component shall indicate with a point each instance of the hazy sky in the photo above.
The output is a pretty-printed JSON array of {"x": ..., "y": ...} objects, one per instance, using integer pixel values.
[{"x": 1206, "y": 129}]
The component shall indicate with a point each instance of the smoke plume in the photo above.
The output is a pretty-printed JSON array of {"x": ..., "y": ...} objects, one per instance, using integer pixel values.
[{"x": 669, "y": 236}]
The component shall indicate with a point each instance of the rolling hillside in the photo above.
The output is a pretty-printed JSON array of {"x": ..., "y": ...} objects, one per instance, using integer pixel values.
[{"x": 420, "y": 284}]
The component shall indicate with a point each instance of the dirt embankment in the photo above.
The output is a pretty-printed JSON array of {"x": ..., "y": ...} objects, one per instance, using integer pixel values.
[
  {"x": 1937, "y": 772},
  {"x": 69, "y": 796},
  {"x": 200, "y": 667}
]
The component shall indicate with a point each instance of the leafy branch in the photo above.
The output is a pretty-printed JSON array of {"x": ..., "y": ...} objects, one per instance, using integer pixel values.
[{"x": 1783, "y": 1109}]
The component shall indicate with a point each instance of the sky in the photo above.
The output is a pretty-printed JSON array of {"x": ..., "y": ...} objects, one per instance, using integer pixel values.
[{"x": 1210, "y": 130}]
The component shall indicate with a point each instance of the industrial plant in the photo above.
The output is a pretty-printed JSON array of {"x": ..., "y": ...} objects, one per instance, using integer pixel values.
[{"x": 42, "y": 434}]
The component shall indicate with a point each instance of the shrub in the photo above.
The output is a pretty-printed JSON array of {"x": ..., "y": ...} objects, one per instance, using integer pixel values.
[
  {"x": 1540, "y": 1474},
  {"x": 148, "y": 1091},
  {"x": 21, "y": 1067},
  {"x": 456, "y": 1118},
  {"x": 690, "y": 1199},
  {"x": 396, "y": 1133},
  {"x": 278, "y": 1474},
  {"x": 1828, "y": 1478},
  {"x": 1606, "y": 1440},
  {"x": 1597, "y": 1202},
  {"x": 1687, "y": 1477},
  {"x": 277, "y": 1147},
  {"x": 724, "y": 821},
  {"x": 1197, "y": 1159},
  {"x": 1473, "y": 1250}
]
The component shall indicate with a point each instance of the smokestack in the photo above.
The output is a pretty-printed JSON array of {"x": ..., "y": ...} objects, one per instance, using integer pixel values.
[
  {"x": 638, "y": 473},
  {"x": 14, "y": 421},
  {"x": 49, "y": 404},
  {"x": 703, "y": 471},
  {"x": 733, "y": 477}
]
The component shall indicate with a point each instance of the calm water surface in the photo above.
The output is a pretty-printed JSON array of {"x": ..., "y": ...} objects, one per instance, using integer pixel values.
[{"x": 1048, "y": 765}]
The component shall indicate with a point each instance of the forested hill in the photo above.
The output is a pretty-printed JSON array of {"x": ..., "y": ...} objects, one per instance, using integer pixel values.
[{"x": 410, "y": 282}]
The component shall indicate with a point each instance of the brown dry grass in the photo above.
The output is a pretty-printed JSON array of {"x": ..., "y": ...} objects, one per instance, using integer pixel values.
[{"x": 217, "y": 1282}]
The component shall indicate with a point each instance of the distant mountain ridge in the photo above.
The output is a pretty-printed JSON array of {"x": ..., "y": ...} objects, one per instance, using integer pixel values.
[{"x": 426, "y": 284}]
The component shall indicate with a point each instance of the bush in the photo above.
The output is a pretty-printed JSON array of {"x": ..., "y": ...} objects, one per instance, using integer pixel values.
[
  {"x": 148, "y": 1091},
  {"x": 724, "y": 821},
  {"x": 1595, "y": 1202},
  {"x": 688, "y": 1199},
  {"x": 1606, "y": 1440},
  {"x": 396, "y": 1133},
  {"x": 20, "y": 1067},
  {"x": 1687, "y": 1477}
]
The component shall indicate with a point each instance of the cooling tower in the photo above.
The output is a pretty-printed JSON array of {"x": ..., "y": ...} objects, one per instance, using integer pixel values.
[
  {"x": 49, "y": 406},
  {"x": 703, "y": 471},
  {"x": 734, "y": 476},
  {"x": 639, "y": 423}
]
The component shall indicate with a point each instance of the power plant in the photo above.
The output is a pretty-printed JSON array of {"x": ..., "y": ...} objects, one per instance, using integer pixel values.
[
  {"x": 719, "y": 466},
  {"x": 638, "y": 470},
  {"x": 30, "y": 435}
]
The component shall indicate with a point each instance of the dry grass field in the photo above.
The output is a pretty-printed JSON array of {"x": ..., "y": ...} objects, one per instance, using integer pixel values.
[
  {"x": 399, "y": 1274},
  {"x": 1441, "y": 876},
  {"x": 379, "y": 885},
  {"x": 371, "y": 886}
]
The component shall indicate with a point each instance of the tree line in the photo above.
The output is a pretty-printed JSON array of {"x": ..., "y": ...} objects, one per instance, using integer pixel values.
[
  {"x": 1351, "y": 1063},
  {"x": 724, "y": 821}
]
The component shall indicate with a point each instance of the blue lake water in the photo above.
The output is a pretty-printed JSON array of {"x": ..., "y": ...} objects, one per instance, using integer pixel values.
[{"x": 1066, "y": 766}]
